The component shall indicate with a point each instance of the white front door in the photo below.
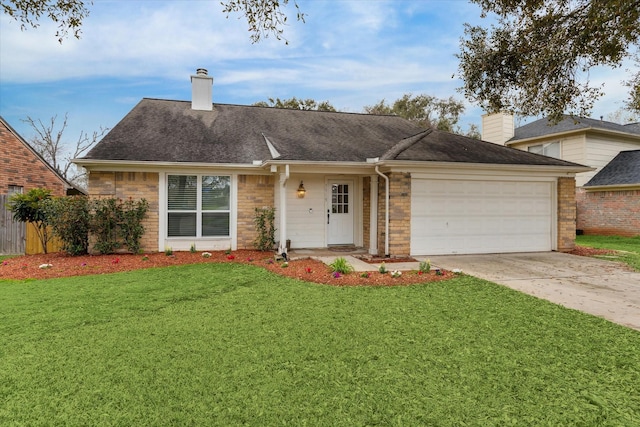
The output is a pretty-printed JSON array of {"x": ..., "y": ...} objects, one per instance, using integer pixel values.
[{"x": 340, "y": 212}]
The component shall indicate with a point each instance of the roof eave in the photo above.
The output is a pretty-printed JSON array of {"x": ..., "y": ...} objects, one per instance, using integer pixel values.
[
  {"x": 612, "y": 187},
  {"x": 465, "y": 166},
  {"x": 573, "y": 132}
]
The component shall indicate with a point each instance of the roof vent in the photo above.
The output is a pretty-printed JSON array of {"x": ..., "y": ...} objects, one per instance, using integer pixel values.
[{"x": 201, "y": 90}]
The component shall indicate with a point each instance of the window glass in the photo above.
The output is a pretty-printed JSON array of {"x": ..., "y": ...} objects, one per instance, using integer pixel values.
[
  {"x": 181, "y": 224},
  {"x": 182, "y": 192},
  {"x": 551, "y": 149},
  {"x": 215, "y": 193},
  {"x": 215, "y": 224}
]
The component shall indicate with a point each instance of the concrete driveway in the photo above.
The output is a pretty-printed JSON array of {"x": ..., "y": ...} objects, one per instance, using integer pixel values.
[{"x": 595, "y": 286}]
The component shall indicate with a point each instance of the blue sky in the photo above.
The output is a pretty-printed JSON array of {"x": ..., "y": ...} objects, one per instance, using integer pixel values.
[{"x": 351, "y": 53}]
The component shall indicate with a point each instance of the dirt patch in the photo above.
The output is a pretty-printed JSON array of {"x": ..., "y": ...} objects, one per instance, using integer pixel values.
[
  {"x": 585, "y": 251},
  {"x": 310, "y": 270}
]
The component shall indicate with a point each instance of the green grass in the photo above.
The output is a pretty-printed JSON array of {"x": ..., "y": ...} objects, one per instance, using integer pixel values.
[
  {"x": 231, "y": 344},
  {"x": 629, "y": 245}
]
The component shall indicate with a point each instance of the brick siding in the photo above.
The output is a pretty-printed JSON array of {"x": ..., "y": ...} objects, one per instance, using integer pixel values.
[
  {"x": 254, "y": 191},
  {"x": 566, "y": 214},
  {"x": 19, "y": 166},
  {"x": 399, "y": 214},
  {"x": 137, "y": 185},
  {"x": 609, "y": 212},
  {"x": 366, "y": 211}
]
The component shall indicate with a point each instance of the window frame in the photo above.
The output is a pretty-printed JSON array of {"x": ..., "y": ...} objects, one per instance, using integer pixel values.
[
  {"x": 544, "y": 147},
  {"x": 199, "y": 211}
]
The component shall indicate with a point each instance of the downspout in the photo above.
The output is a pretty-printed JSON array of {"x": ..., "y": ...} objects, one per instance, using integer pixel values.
[{"x": 386, "y": 211}]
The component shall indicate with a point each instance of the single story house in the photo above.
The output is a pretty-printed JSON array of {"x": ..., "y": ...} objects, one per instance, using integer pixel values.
[
  {"x": 611, "y": 201},
  {"x": 372, "y": 181},
  {"x": 582, "y": 140}
]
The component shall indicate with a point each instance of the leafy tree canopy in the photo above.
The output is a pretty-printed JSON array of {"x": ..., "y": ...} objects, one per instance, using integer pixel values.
[
  {"x": 297, "y": 104},
  {"x": 536, "y": 59},
  {"x": 264, "y": 17},
  {"x": 424, "y": 110}
]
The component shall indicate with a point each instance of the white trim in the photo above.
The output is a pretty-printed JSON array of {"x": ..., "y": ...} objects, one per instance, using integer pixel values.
[
  {"x": 183, "y": 243},
  {"x": 373, "y": 215}
]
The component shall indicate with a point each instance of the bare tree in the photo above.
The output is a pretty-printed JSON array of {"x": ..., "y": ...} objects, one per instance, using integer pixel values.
[{"x": 49, "y": 142}]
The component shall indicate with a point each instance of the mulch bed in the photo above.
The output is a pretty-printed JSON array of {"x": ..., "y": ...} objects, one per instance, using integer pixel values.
[{"x": 310, "y": 270}]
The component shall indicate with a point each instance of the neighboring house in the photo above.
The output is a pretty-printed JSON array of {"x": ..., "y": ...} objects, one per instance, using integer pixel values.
[
  {"x": 611, "y": 200},
  {"x": 22, "y": 170},
  {"x": 378, "y": 182},
  {"x": 586, "y": 141}
]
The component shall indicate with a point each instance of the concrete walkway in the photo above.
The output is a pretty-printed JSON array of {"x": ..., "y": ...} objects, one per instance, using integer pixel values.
[{"x": 602, "y": 288}]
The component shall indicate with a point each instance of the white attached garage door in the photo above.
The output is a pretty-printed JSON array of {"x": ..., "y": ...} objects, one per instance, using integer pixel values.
[{"x": 473, "y": 217}]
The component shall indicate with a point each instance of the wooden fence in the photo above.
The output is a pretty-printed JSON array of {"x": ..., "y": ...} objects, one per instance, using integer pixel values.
[
  {"x": 33, "y": 245},
  {"x": 12, "y": 233},
  {"x": 17, "y": 238}
]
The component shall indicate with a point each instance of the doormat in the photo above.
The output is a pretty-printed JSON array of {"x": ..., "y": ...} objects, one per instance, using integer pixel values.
[{"x": 342, "y": 248}]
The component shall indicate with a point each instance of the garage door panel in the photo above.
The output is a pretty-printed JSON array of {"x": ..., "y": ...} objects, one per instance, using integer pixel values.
[{"x": 467, "y": 216}]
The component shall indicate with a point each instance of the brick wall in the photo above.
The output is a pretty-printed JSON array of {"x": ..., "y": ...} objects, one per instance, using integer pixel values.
[
  {"x": 137, "y": 185},
  {"x": 366, "y": 211},
  {"x": 399, "y": 214},
  {"x": 609, "y": 212},
  {"x": 254, "y": 191},
  {"x": 566, "y": 214},
  {"x": 19, "y": 166}
]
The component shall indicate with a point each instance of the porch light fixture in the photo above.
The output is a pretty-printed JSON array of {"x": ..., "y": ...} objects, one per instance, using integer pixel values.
[{"x": 301, "y": 191}]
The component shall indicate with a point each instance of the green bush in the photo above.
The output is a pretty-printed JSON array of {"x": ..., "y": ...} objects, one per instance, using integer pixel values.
[
  {"x": 341, "y": 265},
  {"x": 130, "y": 214},
  {"x": 115, "y": 222},
  {"x": 104, "y": 222},
  {"x": 70, "y": 219},
  {"x": 263, "y": 219}
]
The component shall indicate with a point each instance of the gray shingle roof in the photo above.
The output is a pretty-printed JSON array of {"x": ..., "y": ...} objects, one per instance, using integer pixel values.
[
  {"x": 624, "y": 169},
  {"x": 170, "y": 131},
  {"x": 544, "y": 127}
]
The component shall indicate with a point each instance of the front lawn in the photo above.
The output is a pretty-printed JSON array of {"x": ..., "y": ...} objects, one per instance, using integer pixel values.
[
  {"x": 629, "y": 247},
  {"x": 232, "y": 344}
]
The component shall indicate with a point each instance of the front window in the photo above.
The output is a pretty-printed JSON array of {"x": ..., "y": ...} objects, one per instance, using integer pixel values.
[
  {"x": 198, "y": 205},
  {"x": 551, "y": 149}
]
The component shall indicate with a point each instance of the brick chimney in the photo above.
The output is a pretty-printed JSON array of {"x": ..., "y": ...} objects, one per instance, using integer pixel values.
[
  {"x": 201, "y": 91},
  {"x": 497, "y": 128}
]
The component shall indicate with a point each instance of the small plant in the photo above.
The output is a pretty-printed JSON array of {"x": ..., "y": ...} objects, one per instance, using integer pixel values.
[
  {"x": 145, "y": 258},
  {"x": 230, "y": 257},
  {"x": 308, "y": 270},
  {"x": 396, "y": 273},
  {"x": 364, "y": 275},
  {"x": 336, "y": 274},
  {"x": 438, "y": 272},
  {"x": 425, "y": 266},
  {"x": 192, "y": 249},
  {"x": 227, "y": 252},
  {"x": 284, "y": 264},
  {"x": 382, "y": 269},
  {"x": 341, "y": 265},
  {"x": 206, "y": 254},
  {"x": 168, "y": 251}
]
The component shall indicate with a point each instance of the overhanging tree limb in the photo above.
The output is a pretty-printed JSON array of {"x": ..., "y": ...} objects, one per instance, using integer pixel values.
[{"x": 537, "y": 58}]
